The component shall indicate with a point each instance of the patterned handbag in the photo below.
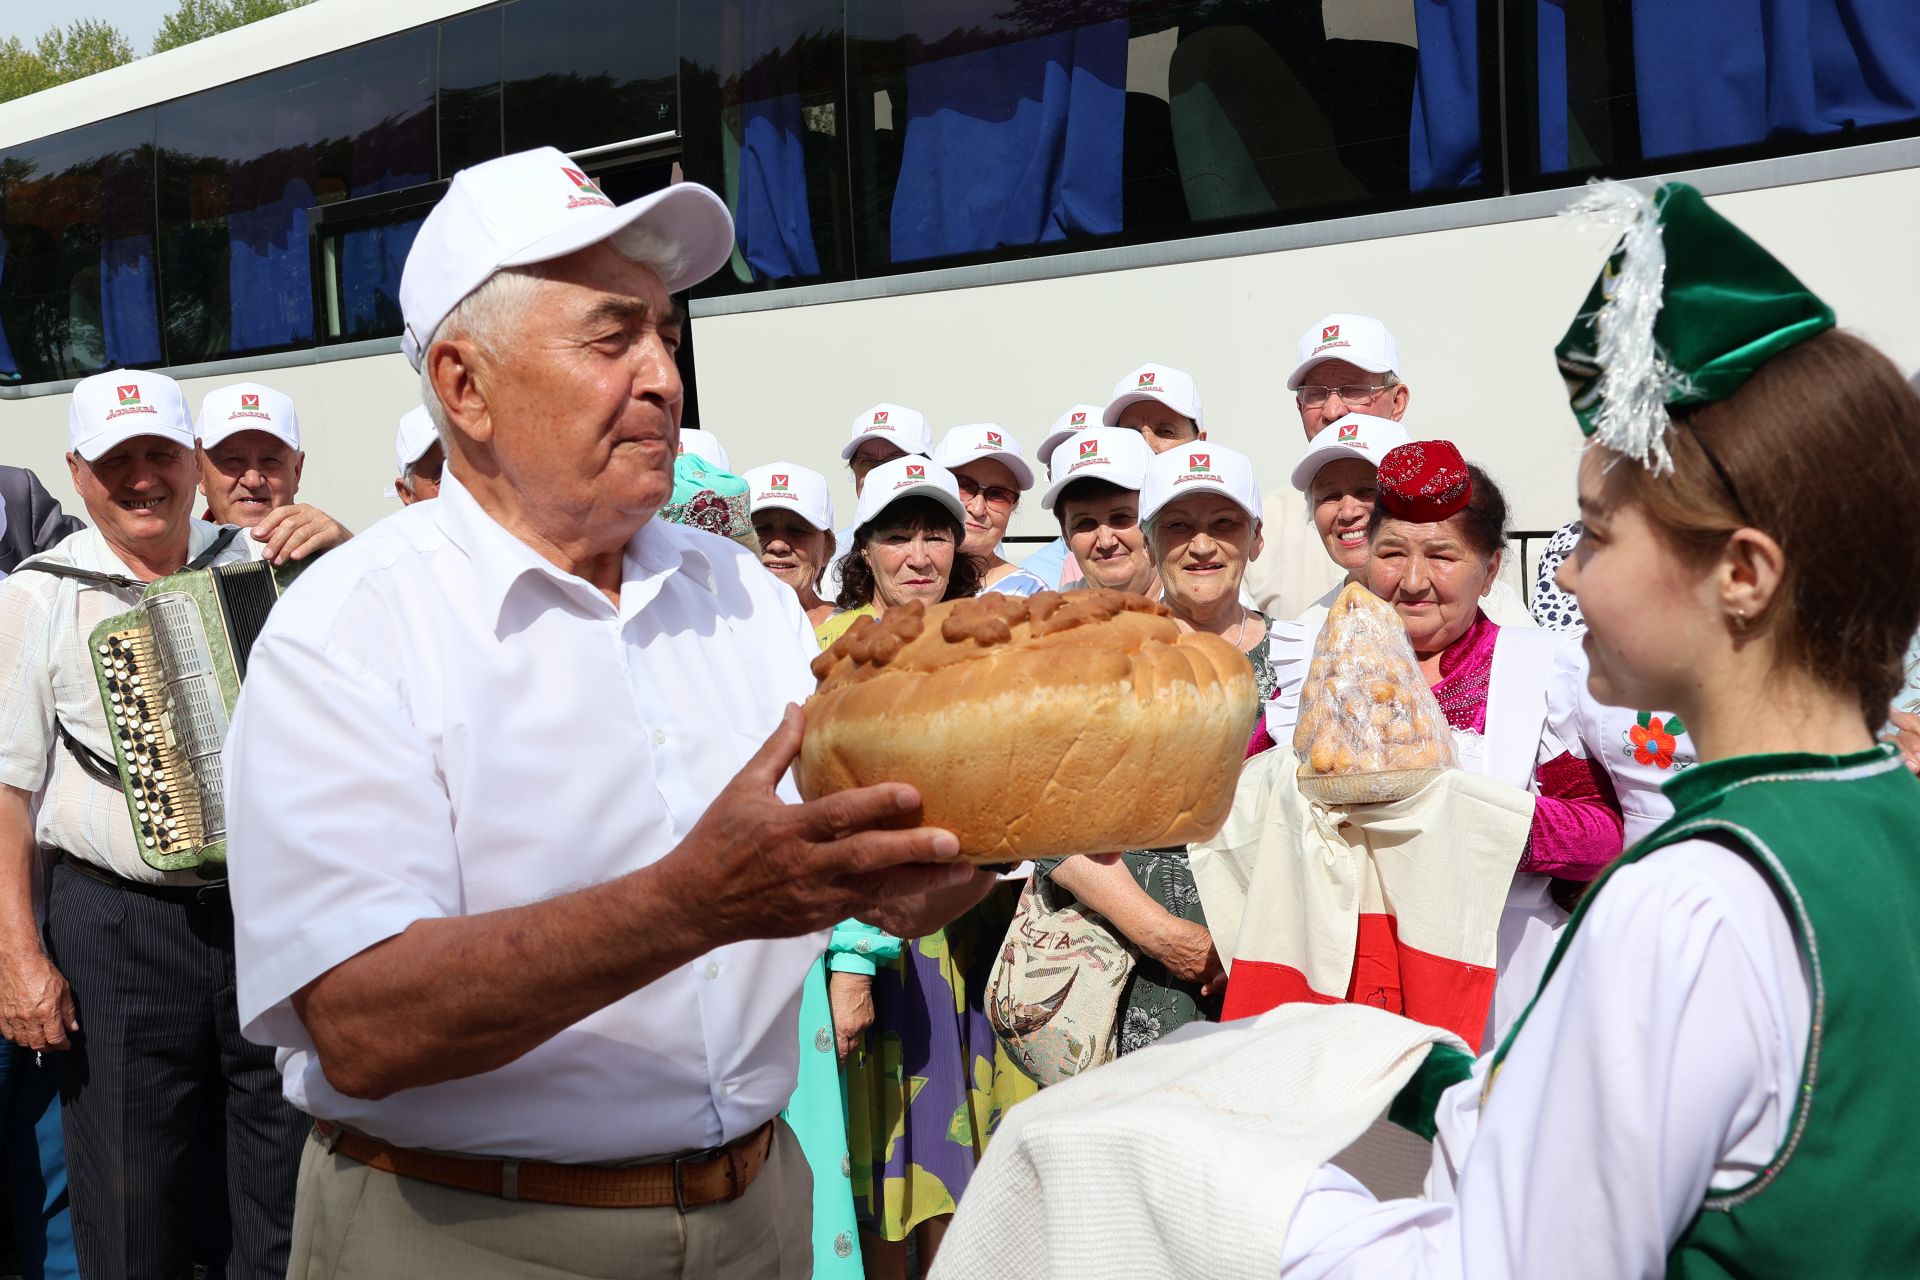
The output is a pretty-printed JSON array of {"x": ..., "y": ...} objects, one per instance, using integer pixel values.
[{"x": 1054, "y": 994}]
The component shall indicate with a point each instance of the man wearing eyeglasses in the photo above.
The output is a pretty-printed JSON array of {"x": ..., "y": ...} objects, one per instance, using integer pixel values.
[{"x": 1346, "y": 364}]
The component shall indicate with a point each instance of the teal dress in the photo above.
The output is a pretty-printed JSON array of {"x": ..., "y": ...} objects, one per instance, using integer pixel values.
[{"x": 817, "y": 1112}]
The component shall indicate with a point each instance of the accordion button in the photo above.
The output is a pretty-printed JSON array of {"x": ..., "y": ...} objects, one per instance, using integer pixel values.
[
  {"x": 103, "y": 648},
  {"x": 150, "y": 842}
]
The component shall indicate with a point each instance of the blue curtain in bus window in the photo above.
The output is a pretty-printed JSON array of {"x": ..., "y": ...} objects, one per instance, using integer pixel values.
[
  {"x": 370, "y": 263},
  {"x": 771, "y": 221},
  {"x": 1019, "y": 144},
  {"x": 1722, "y": 73},
  {"x": 1551, "y": 64},
  {"x": 1444, "y": 139},
  {"x": 129, "y": 309},
  {"x": 267, "y": 271}
]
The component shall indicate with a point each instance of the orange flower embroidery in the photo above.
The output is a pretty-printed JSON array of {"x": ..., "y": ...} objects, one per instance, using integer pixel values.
[{"x": 1652, "y": 744}]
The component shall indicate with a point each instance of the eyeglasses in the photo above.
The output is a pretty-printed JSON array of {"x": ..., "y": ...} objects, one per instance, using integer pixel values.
[
  {"x": 1357, "y": 393},
  {"x": 861, "y": 463},
  {"x": 998, "y": 495}
]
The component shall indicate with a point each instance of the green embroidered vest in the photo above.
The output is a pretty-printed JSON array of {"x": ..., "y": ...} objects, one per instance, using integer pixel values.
[{"x": 1839, "y": 837}]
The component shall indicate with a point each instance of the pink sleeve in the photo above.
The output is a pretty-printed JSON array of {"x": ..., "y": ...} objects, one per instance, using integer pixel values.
[
  {"x": 1576, "y": 820},
  {"x": 1261, "y": 739}
]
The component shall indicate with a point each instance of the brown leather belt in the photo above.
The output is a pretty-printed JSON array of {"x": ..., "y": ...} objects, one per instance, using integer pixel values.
[{"x": 684, "y": 1182}]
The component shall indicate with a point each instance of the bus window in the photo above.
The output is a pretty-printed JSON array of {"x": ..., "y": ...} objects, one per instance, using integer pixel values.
[
  {"x": 585, "y": 73},
  {"x": 982, "y": 125},
  {"x": 239, "y": 167},
  {"x": 761, "y": 84},
  {"x": 77, "y": 252},
  {"x": 470, "y": 90}
]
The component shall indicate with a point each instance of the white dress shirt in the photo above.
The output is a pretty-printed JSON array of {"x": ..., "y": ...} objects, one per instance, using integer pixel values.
[
  {"x": 46, "y": 669},
  {"x": 438, "y": 722},
  {"x": 1663, "y": 1059}
]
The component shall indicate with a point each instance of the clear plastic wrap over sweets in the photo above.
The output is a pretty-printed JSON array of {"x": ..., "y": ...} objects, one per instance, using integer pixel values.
[{"x": 1370, "y": 730}]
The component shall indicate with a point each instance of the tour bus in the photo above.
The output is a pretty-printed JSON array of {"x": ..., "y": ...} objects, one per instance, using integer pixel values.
[{"x": 986, "y": 209}]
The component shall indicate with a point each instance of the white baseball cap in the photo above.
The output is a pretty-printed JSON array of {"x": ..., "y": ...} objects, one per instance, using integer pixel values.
[
  {"x": 1117, "y": 455},
  {"x": 1200, "y": 467},
  {"x": 984, "y": 440},
  {"x": 535, "y": 206},
  {"x": 792, "y": 487},
  {"x": 915, "y": 475},
  {"x": 415, "y": 436},
  {"x": 1169, "y": 386},
  {"x": 894, "y": 423},
  {"x": 705, "y": 446},
  {"x": 1361, "y": 341},
  {"x": 111, "y": 408},
  {"x": 247, "y": 406},
  {"x": 1071, "y": 423},
  {"x": 1358, "y": 435}
]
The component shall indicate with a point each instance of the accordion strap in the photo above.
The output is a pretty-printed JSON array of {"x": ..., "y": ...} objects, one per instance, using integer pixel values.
[{"x": 91, "y": 762}]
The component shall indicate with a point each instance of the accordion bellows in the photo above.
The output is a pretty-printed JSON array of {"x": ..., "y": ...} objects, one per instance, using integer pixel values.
[
  {"x": 1370, "y": 730},
  {"x": 1036, "y": 727}
]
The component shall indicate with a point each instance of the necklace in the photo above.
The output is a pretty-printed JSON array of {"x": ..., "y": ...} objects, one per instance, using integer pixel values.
[{"x": 1240, "y": 636}]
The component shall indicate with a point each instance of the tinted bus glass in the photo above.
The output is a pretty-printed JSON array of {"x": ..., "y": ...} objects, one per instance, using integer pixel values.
[
  {"x": 470, "y": 61},
  {"x": 984, "y": 125},
  {"x": 1622, "y": 85},
  {"x": 239, "y": 166},
  {"x": 761, "y": 84},
  {"x": 77, "y": 279},
  {"x": 583, "y": 73}
]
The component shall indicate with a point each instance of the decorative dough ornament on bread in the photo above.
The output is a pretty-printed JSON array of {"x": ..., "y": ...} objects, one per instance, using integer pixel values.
[
  {"x": 1370, "y": 729},
  {"x": 1036, "y": 726}
]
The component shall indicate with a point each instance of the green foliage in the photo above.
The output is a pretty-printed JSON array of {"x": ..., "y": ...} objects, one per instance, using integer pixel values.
[
  {"x": 198, "y": 19},
  {"x": 61, "y": 54}
]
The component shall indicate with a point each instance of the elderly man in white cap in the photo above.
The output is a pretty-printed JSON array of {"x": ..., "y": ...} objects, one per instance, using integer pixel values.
[
  {"x": 564, "y": 727},
  {"x": 420, "y": 456},
  {"x": 250, "y": 462},
  {"x": 1345, "y": 364},
  {"x": 132, "y": 994}
]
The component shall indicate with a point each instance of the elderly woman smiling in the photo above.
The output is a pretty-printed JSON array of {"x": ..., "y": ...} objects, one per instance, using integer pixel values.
[
  {"x": 1095, "y": 495},
  {"x": 987, "y": 465},
  {"x": 793, "y": 519}
]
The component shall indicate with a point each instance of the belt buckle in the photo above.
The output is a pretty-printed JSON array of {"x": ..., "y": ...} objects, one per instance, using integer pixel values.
[{"x": 678, "y": 1162}]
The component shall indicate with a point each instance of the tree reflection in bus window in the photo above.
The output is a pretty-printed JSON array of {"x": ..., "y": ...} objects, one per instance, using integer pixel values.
[
  {"x": 470, "y": 61},
  {"x": 239, "y": 166},
  {"x": 982, "y": 125},
  {"x": 77, "y": 291},
  {"x": 584, "y": 73},
  {"x": 761, "y": 84}
]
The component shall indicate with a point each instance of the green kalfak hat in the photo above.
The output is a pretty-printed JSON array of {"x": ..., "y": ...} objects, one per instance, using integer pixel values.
[
  {"x": 1686, "y": 308},
  {"x": 705, "y": 497}
]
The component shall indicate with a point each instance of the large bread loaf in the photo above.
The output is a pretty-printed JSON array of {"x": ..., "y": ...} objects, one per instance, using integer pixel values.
[{"x": 1035, "y": 727}]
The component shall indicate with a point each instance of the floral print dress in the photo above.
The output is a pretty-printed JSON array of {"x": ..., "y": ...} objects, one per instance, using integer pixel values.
[{"x": 1155, "y": 1002}]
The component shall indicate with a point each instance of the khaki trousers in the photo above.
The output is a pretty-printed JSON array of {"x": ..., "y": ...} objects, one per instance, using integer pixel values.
[{"x": 356, "y": 1223}]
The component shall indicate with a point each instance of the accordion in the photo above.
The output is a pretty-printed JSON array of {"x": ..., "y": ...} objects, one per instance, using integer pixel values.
[{"x": 169, "y": 672}]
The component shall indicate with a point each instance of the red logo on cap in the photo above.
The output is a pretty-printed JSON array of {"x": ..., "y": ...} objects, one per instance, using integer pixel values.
[
  {"x": 1350, "y": 431},
  {"x": 1077, "y": 420},
  {"x": 880, "y": 418},
  {"x": 1146, "y": 380},
  {"x": 129, "y": 394},
  {"x": 1088, "y": 448},
  {"x": 582, "y": 181},
  {"x": 1199, "y": 462},
  {"x": 779, "y": 481},
  {"x": 249, "y": 402},
  {"x": 993, "y": 438},
  {"x": 1329, "y": 333},
  {"x": 916, "y": 473},
  {"x": 680, "y": 446}
]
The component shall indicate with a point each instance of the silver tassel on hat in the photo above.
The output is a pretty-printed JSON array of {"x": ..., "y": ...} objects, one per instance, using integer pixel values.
[{"x": 1636, "y": 381}]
